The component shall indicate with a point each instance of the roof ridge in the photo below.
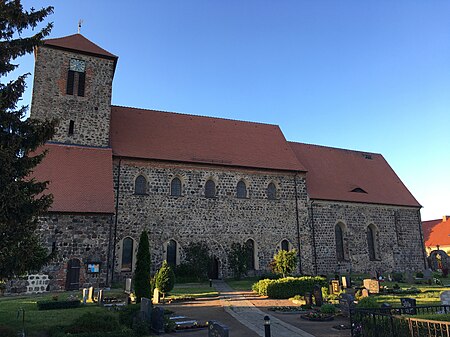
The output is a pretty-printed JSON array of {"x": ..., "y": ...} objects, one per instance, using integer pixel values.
[
  {"x": 192, "y": 115},
  {"x": 336, "y": 148}
]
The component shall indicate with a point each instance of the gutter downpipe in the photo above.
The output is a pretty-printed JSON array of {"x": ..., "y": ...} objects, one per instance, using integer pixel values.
[
  {"x": 298, "y": 226},
  {"x": 419, "y": 217},
  {"x": 313, "y": 238},
  {"x": 116, "y": 220}
]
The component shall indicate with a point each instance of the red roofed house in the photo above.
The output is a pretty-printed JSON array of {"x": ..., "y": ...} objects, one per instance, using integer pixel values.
[
  {"x": 115, "y": 171},
  {"x": 436, "y": 234}
]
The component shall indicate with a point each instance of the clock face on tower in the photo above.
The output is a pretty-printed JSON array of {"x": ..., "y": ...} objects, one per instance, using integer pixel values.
[{"x": 77, "y": 65}]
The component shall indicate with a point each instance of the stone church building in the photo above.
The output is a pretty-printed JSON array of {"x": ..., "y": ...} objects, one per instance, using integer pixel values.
[{"x": 115, "y": 171}]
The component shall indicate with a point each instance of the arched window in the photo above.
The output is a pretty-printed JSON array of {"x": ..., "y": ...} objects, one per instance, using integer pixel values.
[
  {"x": 339, "y": 236},
  {"x": 250, "y": 246},
  {"x": 372, "y": 242},
  {"x": 140, "y": 185},
  {"x": 127, "y": 254},
  {"x": 172, "y": 253},
  {"x": 241, "y": 190},
  {"x": 210, "y": 189},
  {"x": 271, "y": 191},
  {"x": 285, "y": 245},
  {"x": 175, "y": 187}
]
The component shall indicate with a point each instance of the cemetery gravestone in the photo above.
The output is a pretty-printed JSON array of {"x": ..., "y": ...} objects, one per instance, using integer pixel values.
[
  {"x": 317, "y": 293},
  {"x": 344, "y": 282},
  {"x": 372, "y": 285},
  {"x": 346, "y": 303},
  {"x": 445, "y": 297},
  {"x": 335, "y": 287},
  {"x": 364, "y": 293},
  {"x": 84, "y": 293},
  {"x": 427, "y": 274},
  {"x": 409, "y": 303},
  {"x": 156, "y": 296},
  {"x": 146, "y": 308},
  {"x": 409, "y": 277},
  {"x": 90, "y": 297},
  {"x": 217, "y": 329},
  {"x": 128, "y": 285},
  {"x": 100, "y": 297},
  {"x": 308, "y": 299},
  {"x": 158, "y": 320}
]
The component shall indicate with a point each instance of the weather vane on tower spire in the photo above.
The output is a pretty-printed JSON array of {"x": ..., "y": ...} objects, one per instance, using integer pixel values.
[{"x": 80, "y": 22}]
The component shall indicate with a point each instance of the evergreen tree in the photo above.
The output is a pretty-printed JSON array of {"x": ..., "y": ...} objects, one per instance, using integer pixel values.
[
  {"x": 165, "y": 279},
  {"x": 142, "y": 276},
  {"x": 237, "y": 258},
  {"x": 21, "y": 198}
]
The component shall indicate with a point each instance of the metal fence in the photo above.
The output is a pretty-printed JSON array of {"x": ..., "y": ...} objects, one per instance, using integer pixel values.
[{"x": 390, "y": 322}]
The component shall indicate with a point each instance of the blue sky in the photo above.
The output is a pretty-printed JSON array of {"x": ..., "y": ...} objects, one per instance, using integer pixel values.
[{"x": 364, "y": 75}]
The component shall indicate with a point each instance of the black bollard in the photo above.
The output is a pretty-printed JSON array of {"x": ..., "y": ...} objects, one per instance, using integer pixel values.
[{"x": 266, "y": 326}]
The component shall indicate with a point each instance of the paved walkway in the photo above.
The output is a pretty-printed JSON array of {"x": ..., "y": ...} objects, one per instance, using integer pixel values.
[{"x": 245, "y": 312}]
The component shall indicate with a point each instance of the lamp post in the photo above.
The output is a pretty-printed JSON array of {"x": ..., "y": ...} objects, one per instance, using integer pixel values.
[{"x": 266, "y": 326}]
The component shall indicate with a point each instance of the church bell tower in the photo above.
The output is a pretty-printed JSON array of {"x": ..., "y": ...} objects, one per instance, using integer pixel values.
[{"x": 73, "y": 83}]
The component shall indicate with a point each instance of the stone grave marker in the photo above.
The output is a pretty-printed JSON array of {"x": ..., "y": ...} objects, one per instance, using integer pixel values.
[
  {"x": 346, "y": 303},
  {"x": 84, "y": 294},
  {"x": 409, "y": 303},
  {"x": 317, "y": 293},
  {"x": 128, "y": 285},
  {"x": 409, "y": 277},
  {"x": 308, "y": 299},
  {"x": 344, "y": 282},
  {"x": 146, "y": 308},
  {"x": 156, "y": 296},
  {"x": 427, "y": 274},
  {"x": 364, "y": 293},
  {"x": 335, "y": 287},
  {"x": 217, "y": 329},
  {"x": 157, "y": 320},
  {"x": 100, "y": 297},
  {"x": 372, "y": 285},
  {"x": 445, "y": 297},
  {"x": 90, "y": 297}
]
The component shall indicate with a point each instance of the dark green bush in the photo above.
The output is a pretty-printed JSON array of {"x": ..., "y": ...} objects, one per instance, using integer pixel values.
[
  {"x": 397, "y": 277},
  {"x": 196, "y": 263},
  {"x": 419, "y": 274},
  {"x": 142, "y": 272},
  {"x": 7, "y": 331},
  {"x": 94, "y": 322},
  {"x": 288, "y": 287},
  {"x": 328, "y": 309},
  {"x": 127, "y": 313},
  {"x": 51, "y": 305},
  {"x": 368, "y": 302}
]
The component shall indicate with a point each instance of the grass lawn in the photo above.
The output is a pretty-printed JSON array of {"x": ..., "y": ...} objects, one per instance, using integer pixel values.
[
  {"x": 38, "y": 321},
  {"x": 201, "y": 289},
  {"x": 244, "y": 284}
]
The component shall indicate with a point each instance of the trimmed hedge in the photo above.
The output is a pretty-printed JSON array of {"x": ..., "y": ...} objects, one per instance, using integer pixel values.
[
  {"x": 51, "y": 305},
  {"x": 289, "y": 286}
]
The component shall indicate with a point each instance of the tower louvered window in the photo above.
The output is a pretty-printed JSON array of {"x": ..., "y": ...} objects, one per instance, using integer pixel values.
[{"x": 76, "y": 78}]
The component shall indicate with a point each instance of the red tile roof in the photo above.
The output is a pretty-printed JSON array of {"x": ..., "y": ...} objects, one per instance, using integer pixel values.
[
  {"x": 81, "y": 178},
  {"x": 334, "y": 173},
  {"x": 161, "y": 135},
  {"x": 79, "y": 43},
  {"x": 436, "y": 232}
]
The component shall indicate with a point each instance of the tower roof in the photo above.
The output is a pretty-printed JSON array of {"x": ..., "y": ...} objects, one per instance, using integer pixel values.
[{"x": 79, "y": 43}]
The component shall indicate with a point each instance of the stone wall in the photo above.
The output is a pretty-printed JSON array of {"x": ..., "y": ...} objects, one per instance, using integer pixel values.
[
  {"x": 76, "y": 236},
  {"x": 219, "y": 221},
  {"x": 91, "y": 113},
  {"x": 399, "y": 244}
]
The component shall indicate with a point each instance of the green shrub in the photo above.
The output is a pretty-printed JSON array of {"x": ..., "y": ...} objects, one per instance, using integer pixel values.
[
  {"x": 285, "y": 262},
  {"x": 288, "y": 287},
  {"x": 51, "y": 305},
  {"x": 127, "y": 313},
  {"x": 368, "y": 302},
  {"x": 397, "y": 277},
  {"x": 196, "y": 263},
  {"x": 238, "y": 257},
  {"x": 165, "y": 279},
  {"x": 419, "y": 274},
  {"x": 7, "y": 331},
  {"x": 328, "y": 309},
  {"x": 94, "y": 322}
]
